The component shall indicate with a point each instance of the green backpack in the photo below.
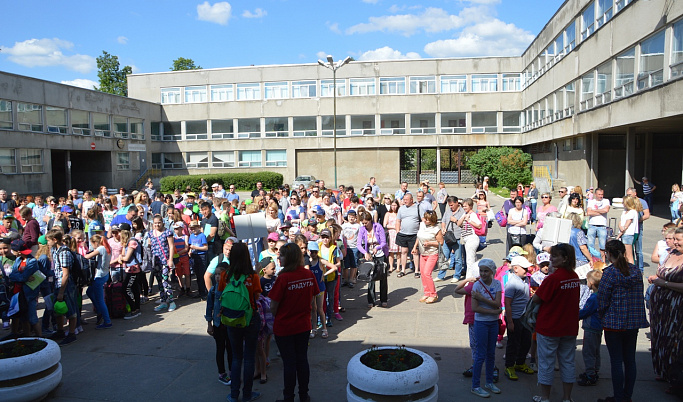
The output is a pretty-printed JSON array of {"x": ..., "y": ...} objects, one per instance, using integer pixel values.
[{"x": 235, "y": 305}]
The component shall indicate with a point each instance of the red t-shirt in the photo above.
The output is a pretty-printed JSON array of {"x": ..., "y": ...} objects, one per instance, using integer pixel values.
[
  {"x": 253, "y": 284},
  {"x": 559, "y": 313},
  {"x": 294, "y": 292}
]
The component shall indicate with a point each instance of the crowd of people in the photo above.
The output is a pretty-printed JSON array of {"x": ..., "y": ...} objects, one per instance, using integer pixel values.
[{"x": 321, "y": 240}]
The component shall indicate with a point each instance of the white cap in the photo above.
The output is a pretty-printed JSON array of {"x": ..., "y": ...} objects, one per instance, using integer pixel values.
[{"x": 521, "y": 261}]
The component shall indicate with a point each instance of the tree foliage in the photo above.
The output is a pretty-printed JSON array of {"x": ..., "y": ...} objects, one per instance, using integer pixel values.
[
  {"x": 182, "y": 63},
  {"x": 113, "y": 78},
  {"x": 504, "y": 166}
]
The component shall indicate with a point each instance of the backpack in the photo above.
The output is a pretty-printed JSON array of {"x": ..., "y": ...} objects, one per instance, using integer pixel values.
[
  {"x": 224, "y": 228},
  {"x": 236, "y": 308},
  {"x": 4, "y": 298},
  {"x": 80, "y": 270}
]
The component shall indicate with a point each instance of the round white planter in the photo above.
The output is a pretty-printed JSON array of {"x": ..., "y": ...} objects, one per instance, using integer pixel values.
[
  {"x": 417, "y": 385},
  {"x": 30, "y": 377}
]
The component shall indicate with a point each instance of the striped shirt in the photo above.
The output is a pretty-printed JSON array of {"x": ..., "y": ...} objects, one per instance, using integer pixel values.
[
  {"x": 647, "y": 188},
  {"x": 62, "y": 259}
]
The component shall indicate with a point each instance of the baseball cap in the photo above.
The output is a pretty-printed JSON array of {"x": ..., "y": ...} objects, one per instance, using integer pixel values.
[
  {"x": 326, "y": 232},
  {"x": 542, "y": 257},
  {"x": 214, "y": 185},
  {"x": 487, "y": 263},
  {"x": 273, "y": 236},
  {"x": 312, "y": 222},
  {"x": 233, "y": 239},
  {"x": 8, "y": 216},
  {"x": 67, "y": 208},
  {"x": 178, "y": 225},
  {"x": 319, "y": 210},
  {"x": 42, "y": 240},
  {"x": 521, "y": 261},
  {"x": 518, "y": 250},
  {"x": 19, "y": 245},
  {"x": 351, "y": 212},
  {"x": 188, "y": 195},
  {"x": 266, "y": 261},
  {"x": 194, "y": 224},
  {"x": 286, "y": 225},
  {"x": 313, "y": 246},
  {"x": 124, "y": 226},
  {"x": 115, "y": 228}
]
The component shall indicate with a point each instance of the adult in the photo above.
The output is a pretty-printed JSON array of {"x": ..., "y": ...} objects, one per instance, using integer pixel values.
[
  {"x": 256, "y": 192},
  {"x": 313, "y": 201},
  {"x": 155, "y": 207},
  {"x": 564, "y": 198},
  {"x": 628, "y": 226},
  {"x": 282, "y": 200},
  {"x": 441, "y": 197},
  {"x": 31, "y": 229},
  {"x": 401, "y": 192},
  {"x": 557, "y": 323},
  {"x": 220, "y": 191},
  {"x": 332, "y": 210},
  {"x": 468, "y": 239},
  {"x": 407, "y": 225},
  {"x": 544, "y": 209},
  {"x": 232, "y": 195},
  {"x": 390, "y": 230},
  {"x": 516, "y": 226},
  {"x": 272, "y": 220},
  {"x": 532, "y": 196},
  {"x": 643, "y": 215},
  {"x": 453, "y": 251},
  {"x": 374, "y": 187},
  {"x": 224, "y": 257},
  {"x": 120, "y": 196},
  {"x": 372, "y": 244},
  {"x": 578, "y": 240},
  {"x": 423, "y": 204},
  {"x": 648, "y": 189},
  {"x": 429, "y": 197},
  {"x": 429, "y": 239},
  {"x": 101, "y": 252},
  {"x": 291, "y": 298},
  {"x": 39, "y": 211},
  {"x": 666, "y": 315},
  {"x": 382, "y": 208},
  {"x": 296, "y": 213},
  {"x": 596, "y": 210},
  {"x": 243, "y": 339},
  {"x": 209, "y": 225},
  {"x": 75, "y": 199},
  {"x": 128, "y": 218},
  {"x": 621, "y": 308},
  {"x": 6, "y": 205},
  {"x": 510, "y": 202}
]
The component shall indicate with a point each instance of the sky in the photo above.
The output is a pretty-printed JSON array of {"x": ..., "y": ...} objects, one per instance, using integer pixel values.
[{"x": 60, "y": 40}]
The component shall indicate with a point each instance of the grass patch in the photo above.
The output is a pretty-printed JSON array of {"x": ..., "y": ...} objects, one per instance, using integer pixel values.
[{"x": 501, "y": 191}]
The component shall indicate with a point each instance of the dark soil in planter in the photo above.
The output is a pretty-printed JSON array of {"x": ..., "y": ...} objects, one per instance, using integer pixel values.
[
  {"x": 393, "y": 360},
  {"x": 19, "y": 348}
]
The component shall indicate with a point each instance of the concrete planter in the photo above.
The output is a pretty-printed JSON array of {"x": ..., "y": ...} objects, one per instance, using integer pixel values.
[
  {"x": 30, "y": 377},
  {"x": 416, "y": 385}
]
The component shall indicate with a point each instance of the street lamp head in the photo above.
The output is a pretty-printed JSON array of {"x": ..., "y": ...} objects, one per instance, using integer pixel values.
[
  {"x": 322, "y": 63},
  {"x": 344, "y": 62},
  {"x": 330, "y": 59}
]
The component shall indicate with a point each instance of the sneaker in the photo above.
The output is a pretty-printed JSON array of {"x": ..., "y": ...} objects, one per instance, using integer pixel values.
[
  {"x": 587, "y": 379},
  {"x": 103, "y": 326},
  {"x": 338, "y": 317},
  {"x": 510, "y": 373},
  {"x": 68, "y": 340},
  {"x": 492, "y": 388},
  {"x": 437, "y": 279},
  {"x": 58, "y": 335},
  {"x": 78, "y": 330},
  {"x": 350, "y": 285},
  {"x": 496, "y": 374},
  {"x": 46, "y": 333},
  {"x": 158, "y": 301},
  {"x": 224, "y": 379},
  {"x": 480, "y": 392},
  {"x": 144, "y": 300},
  {"x": 254, "y": 396},
  {"x": 5, "y": 325},
  {"x": 171, "y": 307},
  {"x": 539, "y": 398},
  {"x": 231, "y": 399},
  {"x": 132, "y": 314},
  {"x": 524, "y": 368},
  {"x": 328, "y": 323},
  {"x": 455, "y": 280},
  {"x": 468, "y": 372},
  {"x": 499, "y": 345},
  {"x": 162, "y": 306}
]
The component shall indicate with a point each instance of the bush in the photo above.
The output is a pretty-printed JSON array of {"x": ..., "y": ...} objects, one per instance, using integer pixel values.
[
  {"x": 504, "y": 166},
  {"x": 242, "y": 181}
]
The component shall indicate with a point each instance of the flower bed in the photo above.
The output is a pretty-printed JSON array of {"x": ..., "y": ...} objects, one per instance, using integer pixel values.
[{"x": 29, "y": 369}]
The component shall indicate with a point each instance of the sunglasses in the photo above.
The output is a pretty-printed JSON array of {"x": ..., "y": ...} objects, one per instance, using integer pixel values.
[
  {"x": 324, "y": 237},
  {"x": 544, "y": 196}
]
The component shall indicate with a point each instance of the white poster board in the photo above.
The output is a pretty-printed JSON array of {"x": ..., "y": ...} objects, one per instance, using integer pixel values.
[
  {"x": 556, "y": 230},
  {"x": 250, "y": 226}
]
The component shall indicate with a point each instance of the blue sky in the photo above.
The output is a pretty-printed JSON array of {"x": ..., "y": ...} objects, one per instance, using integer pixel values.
[{"x": 59, "y": 40}]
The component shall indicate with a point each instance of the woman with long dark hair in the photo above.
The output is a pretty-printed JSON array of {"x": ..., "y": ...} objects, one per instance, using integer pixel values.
[
  {"x": 621, "y": 307},
  {"x": 291, "y": 298}
]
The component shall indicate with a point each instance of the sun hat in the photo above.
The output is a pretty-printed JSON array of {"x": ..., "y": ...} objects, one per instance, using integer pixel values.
[
  {"x": 518, "y": 250},
  {"x": 521, "y": 261},
  {"x": 313, "y": 246},
  {"x": 487, "y": 263}
]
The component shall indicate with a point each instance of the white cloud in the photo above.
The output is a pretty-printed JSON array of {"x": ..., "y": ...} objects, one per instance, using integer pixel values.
[
  {"x": 82, "y": 83},
  {"x": 387, "y": 53},
  {"x": 48, "y": 52},
  {"x": 430, "y": 20},
  {"x": 122, "y": 40},
  {"x": 321, "y": 55},
  {"x": 334, "y": 27},
  {"x": 258, "y": 13},
  {"x": 492, "y": 37},
  {"x": 218, "y": 13},
  {"x": 370, "y": 1}
]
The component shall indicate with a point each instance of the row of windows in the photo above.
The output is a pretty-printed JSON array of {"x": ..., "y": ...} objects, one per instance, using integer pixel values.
[
  {"x": 49, "y": 119},
  {"x": 30, "y": 160},
  {"x": 356, "y": 86},
  {"x": 219, "y": 159},
  {"x": 307, "y": 126}
]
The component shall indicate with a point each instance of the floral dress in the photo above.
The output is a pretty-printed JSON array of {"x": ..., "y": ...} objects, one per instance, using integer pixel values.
[
  {"x": 666, "y": 319},
  {"x": 391, "y": 224}
]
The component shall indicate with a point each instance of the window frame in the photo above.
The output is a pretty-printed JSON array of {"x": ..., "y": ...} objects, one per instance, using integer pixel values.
[
  {"x": 33, "y": 166},
  {"x": 219, "y": 90},
  {"x": 392, "y": 85},
  {"x": 482, "y": 80},
  {"x": 304, "y": 89},
  {"x": 197, "y": 165},
  {"x": 276, "y": 162},
  {"x": 250, "y": 163},
  {"x": 416, "y": 84},
  {"x": 327, "y": 85},
  {"x": 364, "y": 86},
  {"x": 28, "y": 125},
  {"x": 12, "y": 155},
  {"x": 447, "y": 81},
  {"x": 253, "y": 89},
  {"x": 171, "y": 96},
  {"x": 123, "y": 160},
  {"x": 276, "y": 90},
  {"x": 222, "y": 163}
]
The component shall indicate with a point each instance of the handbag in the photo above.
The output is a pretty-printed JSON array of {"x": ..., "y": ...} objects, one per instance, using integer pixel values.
[
  {"x": 449, "y": 237},
  {"x": 365, "y": 270},
  {"x": 378, "y": 270},
  {"x": 530, "y": 314},
  {"x": 501, "y": 218},
  {"x": 516, "y": 240}
]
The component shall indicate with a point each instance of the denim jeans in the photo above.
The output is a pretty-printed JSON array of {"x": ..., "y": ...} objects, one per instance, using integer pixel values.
[
  {"x": 199, "y": 267},
  {"x": 486, "y": 333},
  {"x": 591, "y": 350},
  {"x": 622, "y": 355},
  {"x": 96, "y": 294},
  {"x": 243, "y": 344},
  {"x": 534, "y": 203},
  {"x": 455, "y": 257},
  {"x": 638, "y": 251},
  {"x": 597, "y": 231},
  {"x": 294, "y": 354}
]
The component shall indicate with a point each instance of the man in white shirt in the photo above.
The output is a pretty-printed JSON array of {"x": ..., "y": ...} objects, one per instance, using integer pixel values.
[
  {"x": 597, "y": 210},
  {"x": 400, "y": 193},
  {"x": 565, "y": 198},
  {"x": 375, "y": 188}
]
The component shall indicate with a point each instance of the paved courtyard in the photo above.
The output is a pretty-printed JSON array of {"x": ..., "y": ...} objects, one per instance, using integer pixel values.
[{"x": 170, "y": 357}]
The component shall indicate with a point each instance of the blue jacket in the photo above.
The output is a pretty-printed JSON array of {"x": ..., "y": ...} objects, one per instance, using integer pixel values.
[
  {"x": 22, "y": 277},
  {"x": 213, "y": 306},
  {"x": 591, "y": 321}
]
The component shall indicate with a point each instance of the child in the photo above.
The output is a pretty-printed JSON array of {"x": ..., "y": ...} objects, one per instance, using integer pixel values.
[
  {"x": 267, "y": 275},
  {"x": 64, "y": 284},
  {"x": 271, "y": 252},
  {"x": 25, "y": 267},
  {"x": 181, "y": 258},
  {"x": 519, "y": 337},
  {"x": 464, "y": 287},
  {"x": 216, "y": 328},
  {"x": 592, "y": 332},
  {"x": 486, "y": 301},
  {"x": 329, "y": 252},
  {"x": 543, "y": 263},
  {"x": 531, "y": 257},
  {"x": 350, "y": 233},
  {"x": 318, "y": 309},
  {"x": 266, "y": 331},
  {"x": 198, "y": 248}
]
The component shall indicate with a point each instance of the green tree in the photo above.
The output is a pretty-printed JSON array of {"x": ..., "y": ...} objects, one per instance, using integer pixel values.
[
  {"x": 182, "y": 63},
  {"x": 113, "y": 78},
  {"x": 505, "y": 166}
]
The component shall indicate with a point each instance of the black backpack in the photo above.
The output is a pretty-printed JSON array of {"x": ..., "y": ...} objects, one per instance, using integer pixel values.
[{"x": 81, "y": 270}]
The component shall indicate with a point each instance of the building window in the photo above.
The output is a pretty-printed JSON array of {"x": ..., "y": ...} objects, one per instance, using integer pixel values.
[
  {"x": 511, "y": 122},
  {"x": 197, "y": 160},
  {"x": 30, "y": 117},
  {"x": 362, "y": 86},
  {"x": 559, "y": 46},
  {"x": 80, "y": 122},
  {"x": 567, "y": 144},
  {"x": 304, "y": 126},
  {"x": 603, "y": 89},
  {"x": 120, "y": 126},
  {"x": 327, "y": 86},
  {"x": 392, "y": 86},
  {"x": 361, "y": 125},
  {"x": 249, "y": 128},
  {"x": 155, "y": 131},
  {"x": 276, "y": 90},
  {"x": 56, "y": 120},
  {"x": 587, "y": 90},
  {"x": 570, "y": 99},
  {"x": 122, "y": 161},
  {"x": 423, "y": 123},
  {"x": 453, "y": 84},
  {"x": 570, "y": 38},
  {"x": 328, "y": 125},
  {"x": 676, "y": 53},
  {"x": 156, "y": 160},
  {"x": 512, "y": 82},
  {"x": 222, "y": 93},
  {"x": 172, "y": 160},
  {"x": 31, "y": 160},
  {"x": 453, "y": 123},
  {"x": 588, "y": 22},
  {"x": 303, "y": 89},
  {"x": 195, "y": 94},
  {"x": 170, "y": 96},
  {"x": 577, "y": 143},
  {"x": 423, "y": 85},
  {"x": 8, "y": 161},
  {"x": 172, "y": 131},
  {"x": 559, "y": 104},
  {"x": 6, "y": 115},
  {"x": 276, "y": 158},
  {"x": 250, "y": 158},
  {"x": 620, "y": 4},
  {"x": 137, "y": 130},
  {"x": 249, "y": 91},
  {"x": 277, "y": 127},
  {"x": 196, "y": 130},
  {"x": 651, "y": 61},
  {"x": 100, "y": 124},
  {"x": 484, "y": 122},
  {"x": 392, "y": 124},
  {"x": 603, "y": 12},
  {"x": 484, "y": 83},
  {"x": 625, "y": 66},
  {"x": 223, "y": 159},
  {"x": 222, "y": 129}
]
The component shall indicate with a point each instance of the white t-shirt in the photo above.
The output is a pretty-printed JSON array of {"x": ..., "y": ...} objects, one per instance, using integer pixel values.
[
  {"x": 516, "y": 215},
  {"x": 350, "y": 232},
  {"x": 480, "y": 287},
  {"x": 598, "y": 220},
  {"x": 86, "y": 206},
  {"x": 425, "y": 234},
  {"x": 633, "y": 216},
  {"x": 662, "y": 250}
]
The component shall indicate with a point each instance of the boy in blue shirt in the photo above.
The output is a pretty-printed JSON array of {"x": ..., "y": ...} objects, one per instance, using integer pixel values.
[
  {"x": 592, "y": 332},
  {"x": 198, "y": 248}
]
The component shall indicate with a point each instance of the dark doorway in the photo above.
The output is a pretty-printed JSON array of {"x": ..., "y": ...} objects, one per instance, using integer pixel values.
[
  {"x": 667, "y": 159},
  {"x": 90, "y": 170},
  {"x": 59, "y": 171},
  {"x": 611, "y": 164}
]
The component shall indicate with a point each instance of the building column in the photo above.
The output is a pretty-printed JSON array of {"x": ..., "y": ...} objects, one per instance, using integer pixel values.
[
  {"x": 630, "y": 156},
  {"x": 438, "y": 164},
  {"x": 647, "y": 157},
  {"x": 594, "y": 143}
]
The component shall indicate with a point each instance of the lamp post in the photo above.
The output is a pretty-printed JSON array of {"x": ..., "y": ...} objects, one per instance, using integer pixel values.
[{"x": 334, "y": 67}]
